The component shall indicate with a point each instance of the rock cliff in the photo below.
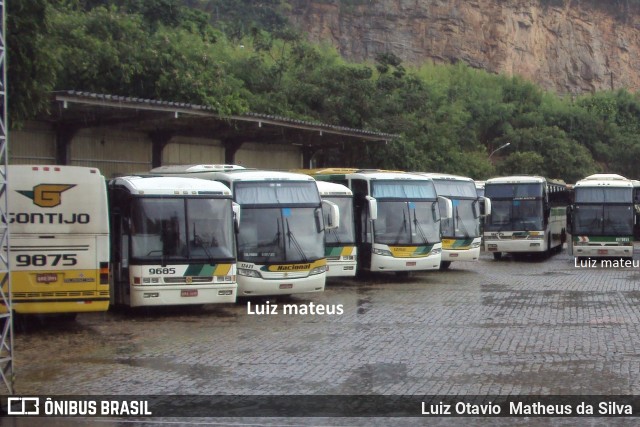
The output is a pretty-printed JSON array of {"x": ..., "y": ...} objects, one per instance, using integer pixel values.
[{"x": 563, "y": 45}]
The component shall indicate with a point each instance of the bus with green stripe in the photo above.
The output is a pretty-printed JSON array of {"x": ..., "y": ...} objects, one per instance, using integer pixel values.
[
  {"x": 461, "y": 238},
  {"x": 339, "y": 243},
  {"x": 172, "y": 241},
  {"x": 397, "y": 218},
  {"x": 281, "y": 236},
  {"x": 528, "y": 215},
  {"x": 602, "y": 217}
]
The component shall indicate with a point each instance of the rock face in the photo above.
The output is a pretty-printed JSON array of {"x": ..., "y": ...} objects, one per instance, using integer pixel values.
[{"x": 562, "y": 45}]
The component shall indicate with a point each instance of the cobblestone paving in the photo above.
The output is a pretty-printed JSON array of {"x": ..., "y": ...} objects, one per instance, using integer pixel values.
[{"x": 509, "y": 327}]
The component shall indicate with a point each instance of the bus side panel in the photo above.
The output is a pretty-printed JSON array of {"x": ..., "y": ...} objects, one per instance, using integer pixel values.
[{"x": 59, "y": 274}]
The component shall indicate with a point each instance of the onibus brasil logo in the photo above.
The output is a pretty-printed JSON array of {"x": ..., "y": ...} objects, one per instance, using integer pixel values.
[{"x": 47, "y": 195}]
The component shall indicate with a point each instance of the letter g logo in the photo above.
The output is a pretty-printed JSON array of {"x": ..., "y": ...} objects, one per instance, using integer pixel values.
[{"x": 47, "y": 195}]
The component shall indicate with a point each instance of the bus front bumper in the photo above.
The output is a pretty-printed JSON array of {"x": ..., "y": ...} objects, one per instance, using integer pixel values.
[
  {"x": 253, "y": 286},
  {"x": 524, "y": 245}
]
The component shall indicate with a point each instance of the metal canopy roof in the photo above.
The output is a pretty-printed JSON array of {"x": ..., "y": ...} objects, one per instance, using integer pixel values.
[{"x": 77, "y": 109}]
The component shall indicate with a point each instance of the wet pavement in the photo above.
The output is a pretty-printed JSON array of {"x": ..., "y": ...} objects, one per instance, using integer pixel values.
[{"x": 511, "y": 327}]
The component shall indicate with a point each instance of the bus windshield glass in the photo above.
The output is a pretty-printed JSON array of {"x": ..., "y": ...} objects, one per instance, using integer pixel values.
[
  {"x": 603, "y": 195},
  {"x": 451, "y": 188},
  {"x": 280, "y": 234},
  {"x": 464, "y": 222},
  {"x": 515, "y": 215},
  {"x": 179, "y": 229},
  {"x": 345, "y": 233},
  {"x": 403, "y": 189},
  {"x": 209, "y": 227},
  {"x": 603, "y": 220},
  {"x": 513, "y": 191},
  {"x": 281, "y": 192},
  {"x": 406, "y": 223}
]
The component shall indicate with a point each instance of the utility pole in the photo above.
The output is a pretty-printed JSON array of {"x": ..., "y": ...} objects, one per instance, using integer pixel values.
[{"x": 6, "y": 319}]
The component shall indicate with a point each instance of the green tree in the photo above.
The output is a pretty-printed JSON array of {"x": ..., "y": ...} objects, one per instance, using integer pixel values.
[{"x": 32, "y": 66}]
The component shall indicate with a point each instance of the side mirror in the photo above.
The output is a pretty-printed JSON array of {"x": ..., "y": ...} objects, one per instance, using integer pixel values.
[
  {"x": 333, "y": 215},
  {"x": 373, "y": 207},
  {"x": 487, "y": 206},
  {"x": 236, "y": 215},
  {"x": 447, "y": 213}
]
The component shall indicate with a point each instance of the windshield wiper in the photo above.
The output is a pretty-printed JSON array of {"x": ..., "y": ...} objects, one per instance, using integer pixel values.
[
  {"x": 419, "y": 228},
  {"x": 460, "y": 223},
  {"x": 335, "y": 234},
  {"x": 200, "y": 241},
  {"x": 292, "y": 239},
  {"x": 403, "y": 228}
]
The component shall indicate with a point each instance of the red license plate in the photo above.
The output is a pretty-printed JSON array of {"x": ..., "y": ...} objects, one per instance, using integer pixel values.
[
  {"x": 453, "y": 255},
  {"x": 286, "y": 286},
  {"x": 603, "y": 251},
  {"x": 189, "y": 293},
  {"x": 411, "y": 263},
  {"x": 46, "y": 278}
]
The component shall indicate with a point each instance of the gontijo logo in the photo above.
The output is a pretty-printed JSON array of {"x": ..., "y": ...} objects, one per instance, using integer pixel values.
[{"x": 47, "y": 195}]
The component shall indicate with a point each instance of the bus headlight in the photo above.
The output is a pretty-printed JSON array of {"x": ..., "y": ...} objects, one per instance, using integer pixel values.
[
  {"x": 435, "y": 251},
  {"x": 248, "y": 273},
  {"x": 382, "y": 252},
  {"x": 475, "y": 245},
  {"x": 318, "y": 270}
]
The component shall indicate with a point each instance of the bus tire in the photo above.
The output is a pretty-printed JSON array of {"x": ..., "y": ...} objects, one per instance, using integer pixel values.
[
  {"x": 444, "y": 265},
  {"x": 497, "y": 256}
]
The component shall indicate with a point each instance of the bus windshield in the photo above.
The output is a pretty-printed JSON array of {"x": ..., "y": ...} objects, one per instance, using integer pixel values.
[
  {"x": 603, "y": 195},
  {"x": 273, "y": 193},
  {"x": 452, "y": 188},
  {"x": 601, "y": 220},
  {"x": 345, "y": 233},
  {"x": 406, "y": 223},
  {"x": 515, "y": 215},
  {"x": 464, "y": 222},
  {"x": 403, "y": 189},
  {"x": 513, "y": 191},
  {"x": 181, "y": 229},
  {"x": 280, "y": 234}
]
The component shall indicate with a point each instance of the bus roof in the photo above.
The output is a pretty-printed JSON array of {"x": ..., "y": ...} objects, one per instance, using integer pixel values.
[
  {"x": 605, "y": 177},
  {"x": 516, "y": 179},
  {"x": 174, "y": 186},
  {"x": 590, "y": 181},
  {"x": 228, "y": 173},
  {"x": 444, "y": 176},
  {"x": 374, "y": 174},
  {"x": 180, "y": 169},
  {"x": 332, "y": 189},
  {"x": 260, "y": 175}
]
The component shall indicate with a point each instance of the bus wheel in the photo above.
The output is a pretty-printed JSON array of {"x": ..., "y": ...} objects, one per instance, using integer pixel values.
[
  {"x": 497, "y": 255},
  {"x": 444, "y": 265}
]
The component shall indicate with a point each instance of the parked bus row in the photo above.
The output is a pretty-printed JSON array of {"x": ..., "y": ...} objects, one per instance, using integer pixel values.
[{"x": 212, "y": 233}]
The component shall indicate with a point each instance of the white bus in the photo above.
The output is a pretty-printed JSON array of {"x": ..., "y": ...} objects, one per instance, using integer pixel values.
[
  {"x": 602, "y": 216},
  {"x": 281, "y": 236},
  {"x": 397, "y": 219},
  {"x": 528, "y": 214},
  {"x": 172, "y": 241},
  {"x": 340, "y": 243},
  {"x": 461, "y": 238},
  {"x": 59, "y": 243}
]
